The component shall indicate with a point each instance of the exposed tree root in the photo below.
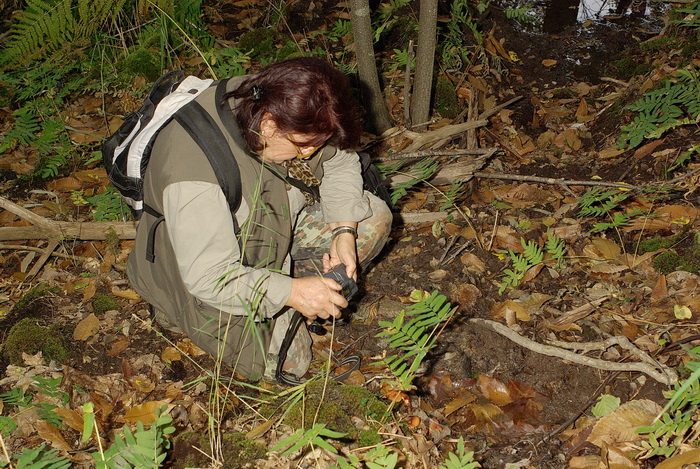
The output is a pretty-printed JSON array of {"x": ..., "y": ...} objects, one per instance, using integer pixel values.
[{"x": 647, "y": 365}]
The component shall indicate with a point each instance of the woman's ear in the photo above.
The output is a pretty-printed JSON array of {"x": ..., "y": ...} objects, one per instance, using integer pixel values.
[{"x": 268, "y": 126}]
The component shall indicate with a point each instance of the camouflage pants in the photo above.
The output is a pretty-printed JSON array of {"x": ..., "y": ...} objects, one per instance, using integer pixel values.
[{"x": 312, "y": 238}]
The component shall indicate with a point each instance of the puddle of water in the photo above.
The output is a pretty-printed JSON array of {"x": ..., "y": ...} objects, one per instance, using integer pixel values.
[{"x": 556, "y": 16}]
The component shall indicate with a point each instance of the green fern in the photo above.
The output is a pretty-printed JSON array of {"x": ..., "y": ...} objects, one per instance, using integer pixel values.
[
  {"x": 461, "y": 460},
  {"x": 315, "y": 436},
  {"x": 675, "y": 104},
  {"x": 37, "y": 458},
  {"x": 452, "y": 195},
  {"x": 531, "y": 256},
  {"x": 556, "y": 248},
  {"x": 522, "y": 14},
  {"x": 145, "y": 449},
  {"x": 418, "y": 173},
  {"x": 106, "y": 206},
  {"x": 677, "y": 426},
  {"x": 45, "y": 26},
  {"x": 413, "y": 334},
  {"x": 598, "y": 202}
]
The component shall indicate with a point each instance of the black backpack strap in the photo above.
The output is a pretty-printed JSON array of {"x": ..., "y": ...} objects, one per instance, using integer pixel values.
[
  {"x": 206, "y": 134},
  {"x": 151, "y": 240},
  {"x": 202, "y": 128}
]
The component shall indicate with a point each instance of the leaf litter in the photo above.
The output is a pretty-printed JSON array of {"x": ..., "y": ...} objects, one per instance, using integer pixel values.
[{"x": 505, "y": 400}]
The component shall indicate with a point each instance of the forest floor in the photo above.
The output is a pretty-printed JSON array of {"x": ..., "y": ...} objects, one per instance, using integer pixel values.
[{"x": 514, "y": 407}]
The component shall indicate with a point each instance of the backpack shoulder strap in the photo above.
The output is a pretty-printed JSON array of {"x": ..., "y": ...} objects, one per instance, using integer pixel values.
[{"x": 207, "y": 135}]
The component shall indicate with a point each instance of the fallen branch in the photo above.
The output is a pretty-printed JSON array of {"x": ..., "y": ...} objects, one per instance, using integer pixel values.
[
  {"x": 19, "y": 247},
  {"x": 429, "y": 153},
  {"x": 557, "y": 181},
  {"x": 657, "y": 371},
  {"x": 448, "y": 131},
  {"x": 57, "y": 230}
]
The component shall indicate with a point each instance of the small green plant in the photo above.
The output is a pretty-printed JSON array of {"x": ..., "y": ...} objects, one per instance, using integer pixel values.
[
  {"x": 413, "y": 334},
  {"x": 418, "y": 172},
  {"x": 106, "y": 205},
  {"x": 674, "y": 104},
  {"x": 379, "y": 457},
  {"x": 556, "y": 248},
  {"x": 143, "y": 449},
  {"x": 23, "y": 401},
  {"x": 600, "y": 203},
  {"x": 531, "y": 256},
  {"x": 522, "y": 13},
  {"x": 677, "y": 427},
  {"x": 461, "y": 460},
  {"x": 691, "y": 16},
  {"x": 315, "y": 436},
  {"x": 36, "y": 458},
  {"x": 386, "y": 17}
]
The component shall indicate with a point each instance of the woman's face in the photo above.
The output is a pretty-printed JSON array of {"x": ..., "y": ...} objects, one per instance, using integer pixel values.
[{"x": 279, "y": 146}]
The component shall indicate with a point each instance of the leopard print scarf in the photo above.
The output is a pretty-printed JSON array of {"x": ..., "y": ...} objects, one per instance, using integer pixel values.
[{"x": 298, "y": 169}]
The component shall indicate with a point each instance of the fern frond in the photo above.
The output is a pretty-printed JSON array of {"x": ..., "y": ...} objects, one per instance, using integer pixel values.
[{"x": 47, "y": 26}]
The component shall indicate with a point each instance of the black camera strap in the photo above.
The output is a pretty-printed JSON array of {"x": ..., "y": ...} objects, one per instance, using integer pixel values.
[{"x": 289, "y": 379}]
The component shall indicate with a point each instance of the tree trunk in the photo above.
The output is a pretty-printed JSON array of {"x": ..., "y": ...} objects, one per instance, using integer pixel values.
[
  {"x": 369, "y": 79},
  {"x": 425, "y": 58}
]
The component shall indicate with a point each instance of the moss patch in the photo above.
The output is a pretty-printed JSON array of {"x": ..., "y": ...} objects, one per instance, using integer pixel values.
[
  {"x": 28, "y": 337},
  {"x": 237, "y": 450},
  {"x": 30, "y": 301},
  {"x": 340, "y": 404},
  {"x": 267, "y": 45},
  {"x": 142, "y": 62},
  {"x": 446, "y": 98},
  {"x": 103, "y": 303}
]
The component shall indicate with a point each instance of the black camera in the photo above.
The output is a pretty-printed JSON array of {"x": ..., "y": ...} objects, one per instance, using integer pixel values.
[{"x": 340, "y": 275}]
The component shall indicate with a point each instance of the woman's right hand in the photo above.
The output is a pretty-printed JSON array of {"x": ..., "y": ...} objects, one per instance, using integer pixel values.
[{"x": 316, "y": 297}]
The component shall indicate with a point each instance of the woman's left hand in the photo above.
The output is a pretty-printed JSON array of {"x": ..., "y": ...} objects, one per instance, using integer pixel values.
[{"x": 343, "y": 251}]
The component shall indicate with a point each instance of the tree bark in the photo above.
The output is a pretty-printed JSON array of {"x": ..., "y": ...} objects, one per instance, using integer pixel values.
[
  {"x": 425, "y": 59},
  {"x": 367, "y": 66}
]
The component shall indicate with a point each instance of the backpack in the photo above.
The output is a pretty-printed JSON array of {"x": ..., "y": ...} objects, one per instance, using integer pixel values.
[{"x": 126, "y": 153}]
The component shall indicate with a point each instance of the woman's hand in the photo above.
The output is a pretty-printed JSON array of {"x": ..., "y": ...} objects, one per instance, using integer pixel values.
[
  {"x": 316, "y": 297},
  {"x": 343, "y": 251}
]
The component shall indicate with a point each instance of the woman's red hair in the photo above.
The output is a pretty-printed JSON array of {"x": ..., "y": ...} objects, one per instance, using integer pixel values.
[{"x": 304, "y": 96}]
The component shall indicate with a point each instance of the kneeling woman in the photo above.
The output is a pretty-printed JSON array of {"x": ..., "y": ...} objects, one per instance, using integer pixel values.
[{"x": 227, "y": 280}]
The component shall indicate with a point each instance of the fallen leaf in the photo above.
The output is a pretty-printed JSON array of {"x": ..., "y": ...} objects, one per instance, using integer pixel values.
[
  {"x": 51, "y": 434},
  {"x": 620, "y": 425},
  {"x": 509, "y": 309},
  {"x": 681, "y": 460},
  {"x": 549, "y": 62},
  {"x": 144, "y": 413},
  {"x": 660, "y": 290},
  {"x": 458, "y": 403},
  {"x": 607, "y": 247},
  {"x": 129, "y": 294},
  {"x": 473, "y": 263},
  {"x": 72, "y": 418},
  {"x": 170, "y": 354},
  {"x": 142, "y": 384},
  {"x": 682, "y": 312},
  {"x": 118, "y": 346},
  {"x": 86, "y": 328},
  {"x": 494, "y": 390}
]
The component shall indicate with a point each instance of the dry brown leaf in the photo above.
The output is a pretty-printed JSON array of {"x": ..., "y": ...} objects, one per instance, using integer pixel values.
[
  {"x": 261, "y": 429},
  {"x": 142, "y": 384},
  {"x": 89, "y": 291},
  {"x": 615, "y": 458},
  {"x": 144, "y": 413},
  {"x": 620, "y": 425},
  {"x": 128, "y": 294},
  {"x": 473, "y": 263},
  {"x": 494, "y": 390},
  {"x": 118, "y": 346},
  {"x": 589, "y": 461},
  {"x": 532, "y": 272},
  {"x": 458, "y": 403},
  {"x": 607, "y": 268},
  {"x": 610, "y": 153},
  {"x": 608, "y": 248},
  {"x": 170, "y": 354},
  {"x": 510, "y": 309},
  {"x": 681, "y": 460},
  {"x": 465, "y": 295},
  {"x": 67, "y": 184},
  {"x": 51, "y": 434},
  {"x": 647, "y": 149},
  {"x": 72, "y": 418},
  {"x": 582, "y": 110},
  {"x": 86, "y": 328},
  {"x": 549, "y": 62},
  {"x": 187, "y": 347}
]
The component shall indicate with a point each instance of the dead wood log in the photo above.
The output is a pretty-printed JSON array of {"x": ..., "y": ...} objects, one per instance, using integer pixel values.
[{"x": 43, "y": 228}]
